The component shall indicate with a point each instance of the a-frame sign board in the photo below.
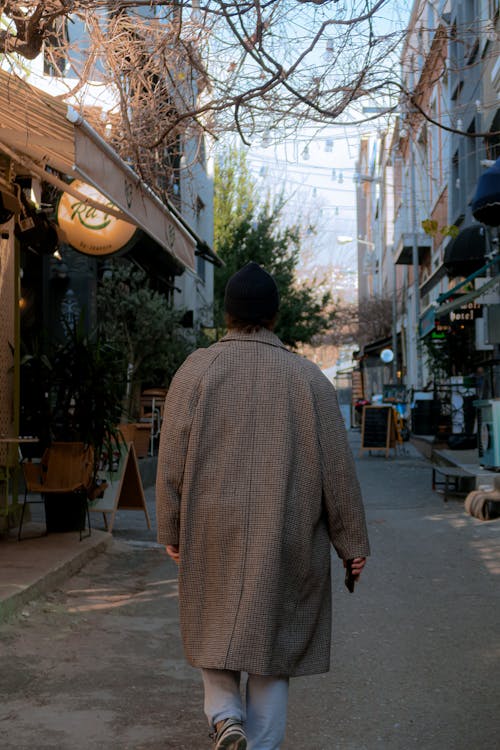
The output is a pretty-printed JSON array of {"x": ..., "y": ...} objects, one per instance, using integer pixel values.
[
  {"x": 378, "y": 431},
  {"x": 124, "y": 490}
]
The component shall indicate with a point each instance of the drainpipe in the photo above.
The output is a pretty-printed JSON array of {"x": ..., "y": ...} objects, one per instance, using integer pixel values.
[{"x": 394, "y": 324}]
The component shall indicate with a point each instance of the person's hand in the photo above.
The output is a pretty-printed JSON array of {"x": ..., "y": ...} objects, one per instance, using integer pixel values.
[
  {"x": 357, "y": 565},
  {"x": 173, "y": 552}
]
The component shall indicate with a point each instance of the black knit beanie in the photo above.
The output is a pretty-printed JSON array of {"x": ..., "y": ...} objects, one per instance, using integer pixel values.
[{"x": 252, "y": 294}]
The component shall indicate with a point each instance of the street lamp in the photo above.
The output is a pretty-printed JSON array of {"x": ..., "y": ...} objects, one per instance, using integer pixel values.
[
  {"x": 369, "y": 264},
  {"x": 345, "y": 240}
]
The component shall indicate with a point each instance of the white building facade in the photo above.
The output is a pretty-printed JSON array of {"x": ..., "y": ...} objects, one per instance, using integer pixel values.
[{"x": 444, "y": 136}]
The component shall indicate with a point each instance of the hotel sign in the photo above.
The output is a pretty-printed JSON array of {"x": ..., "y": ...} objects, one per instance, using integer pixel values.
[
  {"x": 469, "y": 311},
  {"x": 89, "y": 230}
]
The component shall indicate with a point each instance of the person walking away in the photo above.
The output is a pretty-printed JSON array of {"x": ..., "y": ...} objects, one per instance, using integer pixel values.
[{"x": 255, "y": 480}]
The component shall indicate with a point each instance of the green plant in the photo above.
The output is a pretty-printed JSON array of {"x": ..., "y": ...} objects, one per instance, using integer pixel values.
[
  {"x": 437, "y": 358},
  {"x": 78, "y": 385},
  {"x": 36, "y": 381},
  {"x": 246, "y": 229},
  {"x": 141, "y": 324},
  {"x": 432, "y": 228},
  {"x": 450, "y": 354}
]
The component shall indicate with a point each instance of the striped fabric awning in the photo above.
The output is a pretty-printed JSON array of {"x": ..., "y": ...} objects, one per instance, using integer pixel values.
[{"x": 42, "y": 133}]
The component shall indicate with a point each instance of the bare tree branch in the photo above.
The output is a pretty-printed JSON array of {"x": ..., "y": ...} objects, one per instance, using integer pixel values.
[{"x": 165, "y": 72}]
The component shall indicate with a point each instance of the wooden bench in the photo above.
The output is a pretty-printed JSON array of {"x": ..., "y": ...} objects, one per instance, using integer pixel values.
[{"x": 452, "y": 475}]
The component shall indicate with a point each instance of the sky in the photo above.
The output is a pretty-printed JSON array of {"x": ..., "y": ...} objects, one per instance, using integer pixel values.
[
  {"x": 315, "y": 169},
  {"x": 316, "y": 172}
]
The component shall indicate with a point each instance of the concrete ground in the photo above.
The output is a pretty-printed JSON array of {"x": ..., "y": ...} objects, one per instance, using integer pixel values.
[{"x": 97, "y": 662}]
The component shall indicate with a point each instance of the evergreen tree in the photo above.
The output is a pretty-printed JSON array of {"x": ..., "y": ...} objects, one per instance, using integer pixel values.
[
  {"x": 144, "y": 328},
  {"x": 245, "y": 231}
]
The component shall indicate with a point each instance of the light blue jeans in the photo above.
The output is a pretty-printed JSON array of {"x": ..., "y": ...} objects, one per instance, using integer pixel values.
[{"x": 266, "y": 704}]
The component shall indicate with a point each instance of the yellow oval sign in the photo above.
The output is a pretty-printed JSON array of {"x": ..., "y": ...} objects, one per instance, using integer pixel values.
[{"x": 88, "y": 230}]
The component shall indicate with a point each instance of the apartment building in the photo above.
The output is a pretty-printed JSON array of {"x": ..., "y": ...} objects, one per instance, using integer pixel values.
[{"x": 444, "y": 136}]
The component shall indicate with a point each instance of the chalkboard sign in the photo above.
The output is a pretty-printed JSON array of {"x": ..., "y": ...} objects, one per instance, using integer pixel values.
[{"x": 377, "y": 429}]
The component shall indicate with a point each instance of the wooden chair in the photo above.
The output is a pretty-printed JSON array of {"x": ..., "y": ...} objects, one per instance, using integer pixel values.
[
  {"x": 65, "y": 468},
  {"x": 152, "y": 404},
  {"x": 33, "y": 473}
]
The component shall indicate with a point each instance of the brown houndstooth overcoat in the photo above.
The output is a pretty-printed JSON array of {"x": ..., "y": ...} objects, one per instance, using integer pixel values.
[{"x": 255, "y": 479}]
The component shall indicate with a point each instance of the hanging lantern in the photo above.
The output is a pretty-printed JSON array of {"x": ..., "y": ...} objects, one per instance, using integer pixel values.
[{"x": 486, "y": 201}]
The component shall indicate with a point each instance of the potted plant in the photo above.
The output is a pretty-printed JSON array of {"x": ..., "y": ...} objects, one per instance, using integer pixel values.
[
  {"x": 80, "y": 389},
  {"x": 87, "y": 390},
  {"x": 148, "y": 331}
]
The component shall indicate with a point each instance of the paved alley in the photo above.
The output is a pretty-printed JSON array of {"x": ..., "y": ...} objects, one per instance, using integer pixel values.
[{"x": 416, "y": 657}]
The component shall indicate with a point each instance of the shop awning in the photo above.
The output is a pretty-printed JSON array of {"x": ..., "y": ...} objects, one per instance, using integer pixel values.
[
  {"x": 486, "y": 201},
  {"x": 466, "y": 252},
  {"x": 42, "y": 133},
  {"x": 373, "y": 348},
  {"x": 464, "y": 299}
]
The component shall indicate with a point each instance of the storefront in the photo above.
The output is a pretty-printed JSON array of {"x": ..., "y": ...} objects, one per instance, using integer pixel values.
[
  {"x": 459, "y": 336},
  {"x": 49, "y": 154}
]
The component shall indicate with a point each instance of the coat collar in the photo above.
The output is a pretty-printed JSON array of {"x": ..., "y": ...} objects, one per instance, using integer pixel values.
[{"x": 262, "y": 336}]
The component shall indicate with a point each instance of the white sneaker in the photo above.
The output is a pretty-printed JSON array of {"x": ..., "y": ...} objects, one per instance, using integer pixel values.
[{"x": 230, "y": 736}]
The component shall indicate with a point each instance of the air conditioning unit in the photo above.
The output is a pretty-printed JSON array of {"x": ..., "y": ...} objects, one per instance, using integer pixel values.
[
  {"x": 482, "y": 343},
  {"x": 489, "y": 433}
]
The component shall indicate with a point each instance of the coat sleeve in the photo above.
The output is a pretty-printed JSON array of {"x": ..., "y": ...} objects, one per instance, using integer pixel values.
[
  {"x": 341, "y": 491},
  {"x": 178, "y": 414}
]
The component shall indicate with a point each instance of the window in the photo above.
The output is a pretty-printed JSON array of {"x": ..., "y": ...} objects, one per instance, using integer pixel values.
[
  {"x": 456, "y": 190},
  {"x": 493, "y": 144},
  {"x": 471, "y": 30},
  {"x": 455, "y": 64},
  {"x": 201, "y": 268},
  {"x": 435, "y": 152},
  {"x": 472, "y": 157}
]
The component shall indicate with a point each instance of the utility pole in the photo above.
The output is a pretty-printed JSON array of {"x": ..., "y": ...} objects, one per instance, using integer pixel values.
[
  {"x": 394, "y": 324},
  {"x": 416, "y": 265}
]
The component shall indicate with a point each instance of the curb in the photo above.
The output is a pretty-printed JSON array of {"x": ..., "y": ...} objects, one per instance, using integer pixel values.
[{"x": 97, "y": 543}]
